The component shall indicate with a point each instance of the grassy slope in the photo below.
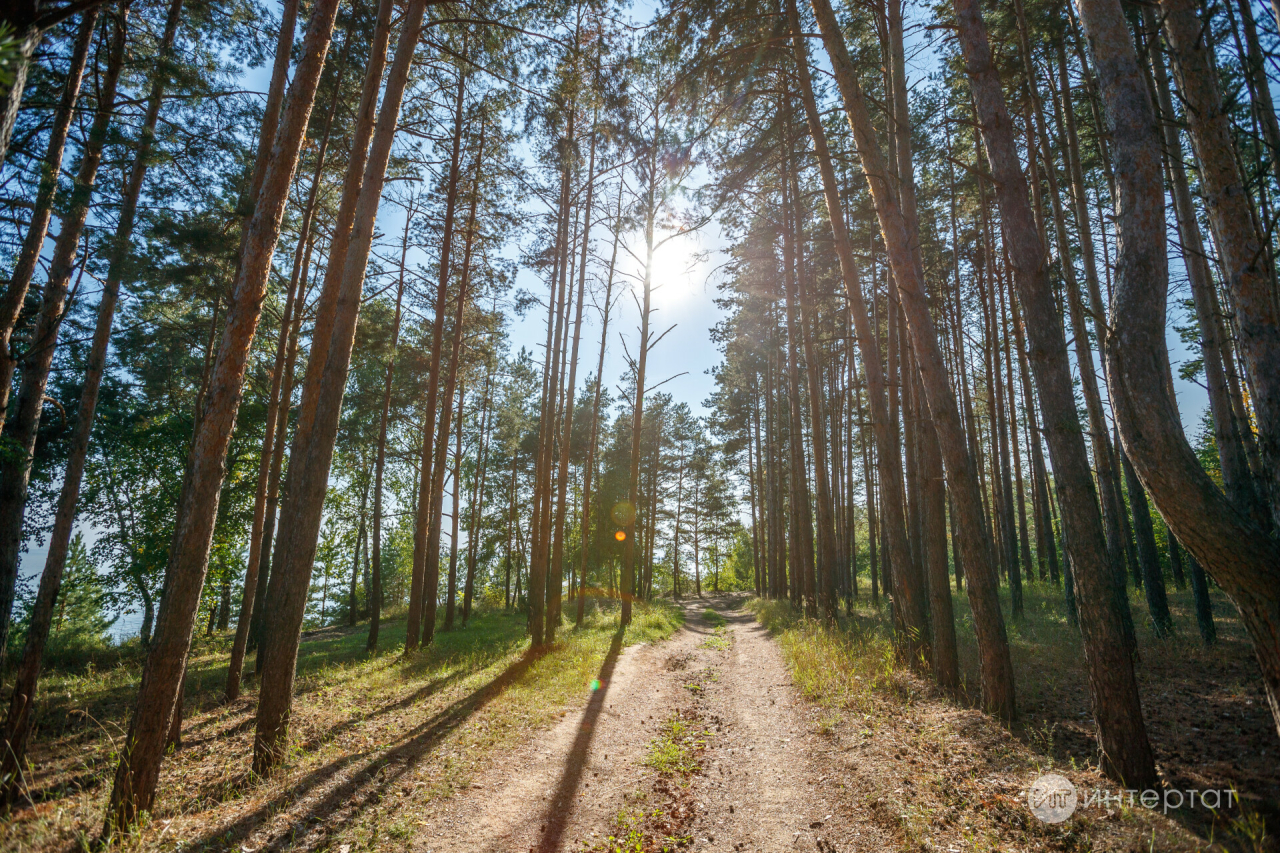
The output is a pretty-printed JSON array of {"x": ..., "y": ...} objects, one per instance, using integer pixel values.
[{"x": 366, "y": 729}]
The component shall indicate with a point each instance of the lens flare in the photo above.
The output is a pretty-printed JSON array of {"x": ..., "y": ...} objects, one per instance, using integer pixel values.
[
  {"x": 621, "y": 535},
  {"x": 624, "y": 513}
]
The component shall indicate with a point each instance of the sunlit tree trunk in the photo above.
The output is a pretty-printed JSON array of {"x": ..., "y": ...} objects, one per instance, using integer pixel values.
[
  {"x": 312, "y": 449},
  {"x": 258, "y": 543},
  {"x": 135, "y": 781}
]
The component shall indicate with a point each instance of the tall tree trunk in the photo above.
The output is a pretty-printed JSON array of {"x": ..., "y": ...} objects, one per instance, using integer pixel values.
[
  {"x": 451, "y": 594},
  {"x": 17, "y": 724},
  {"x": 1098, "y": 431},
  {"x": 1112, "y": 683},
  {"x": 556, "y": 574},
  {"x": 311, "y": 453},
  {"x": 589, "y": 465},
  {"x": 353, "y": 612},
  {"x": 135, "y": 781},
  {"x": 801, "y": 503},
  {"x": 825, "y": 566},
  {"x": 1243, "y": 255},
  {"x": 993, "y": 644},
  {"x": 276, "y": 405},
  {"x": 258, "y": 617},
  {"x": 418, "y": 592},
  {"x": 1237, "y": 477},
  {"x": 1018, "y": 493},
  {"x": 946, "y": 667},
  {"x": 20, "y": 432},
  {"x": 380, "y": 457},
  {"x": 431, "y": 577},
  {"x": 892, "y": 521},
  {"x": 642, "y": 361},
  {"x": 1148, "y": 557},
  {"x": 476, "y": 504}
]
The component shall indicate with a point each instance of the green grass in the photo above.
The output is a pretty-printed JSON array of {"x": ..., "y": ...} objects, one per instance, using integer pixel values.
[
  {"x": 713, "y": 618},
  {"x": 677, "y": 750},
  {"x": 720, "y": 640}
]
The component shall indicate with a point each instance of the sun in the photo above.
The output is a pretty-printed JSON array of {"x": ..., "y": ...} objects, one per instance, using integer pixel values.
[{"x": 679, "y": 270}]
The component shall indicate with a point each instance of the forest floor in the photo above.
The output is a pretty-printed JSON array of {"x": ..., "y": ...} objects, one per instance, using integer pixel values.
[{"x": 723, "y": 725}]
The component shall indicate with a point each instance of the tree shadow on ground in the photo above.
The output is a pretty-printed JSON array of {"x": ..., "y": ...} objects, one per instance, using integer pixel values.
[
  {"x": 557, "y": 815},
  {"x": 364, "y": 786}
]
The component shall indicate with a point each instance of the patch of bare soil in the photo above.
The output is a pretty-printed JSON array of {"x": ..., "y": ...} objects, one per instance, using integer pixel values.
[{"x": 568, "y": 783}]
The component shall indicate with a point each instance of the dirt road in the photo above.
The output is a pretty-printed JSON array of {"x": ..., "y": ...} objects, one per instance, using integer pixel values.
[{"x": 758, "y": 786}]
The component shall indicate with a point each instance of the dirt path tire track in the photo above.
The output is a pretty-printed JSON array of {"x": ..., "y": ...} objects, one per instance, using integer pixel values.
[{"x": 764, "y": 786}]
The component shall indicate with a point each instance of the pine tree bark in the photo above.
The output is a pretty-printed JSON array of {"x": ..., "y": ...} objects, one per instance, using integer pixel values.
[
  {"x": 891, "y": 520},
  {"x": 556, "y": 573},
  {"x": 642, "y": 362},
  {"x": 258, "y": 617},
  {"x": 20, "y": 431},
  {"x": 801, "y": 504},
  {"x": 431, "y": 577},
  {"x": 17, "y": 726},
  {"x": 1237, "y": 477},
  {"x": 1243, "y": 559},
  {"x": 1243, "y": 258},
  {"x": 476, "y": 503},
  {"x": 826, "y": 559},
  {"x": 380, "y": 458},
  {"x": 451, "y": 595},
  {"x": 275, "y": 406},
  {"x": 589, "y": 465},
  {"x": 134, "y": 789},
  {"x": 15, "y": 294},
  {"x": 418, "y": 591},
  {"x": 311, "y": 452}
]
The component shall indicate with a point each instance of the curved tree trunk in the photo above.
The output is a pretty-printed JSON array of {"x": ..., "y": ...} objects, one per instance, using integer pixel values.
[
  {"x": 1243, "y": 559},
  {"x": 1244, "y": 260}
]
